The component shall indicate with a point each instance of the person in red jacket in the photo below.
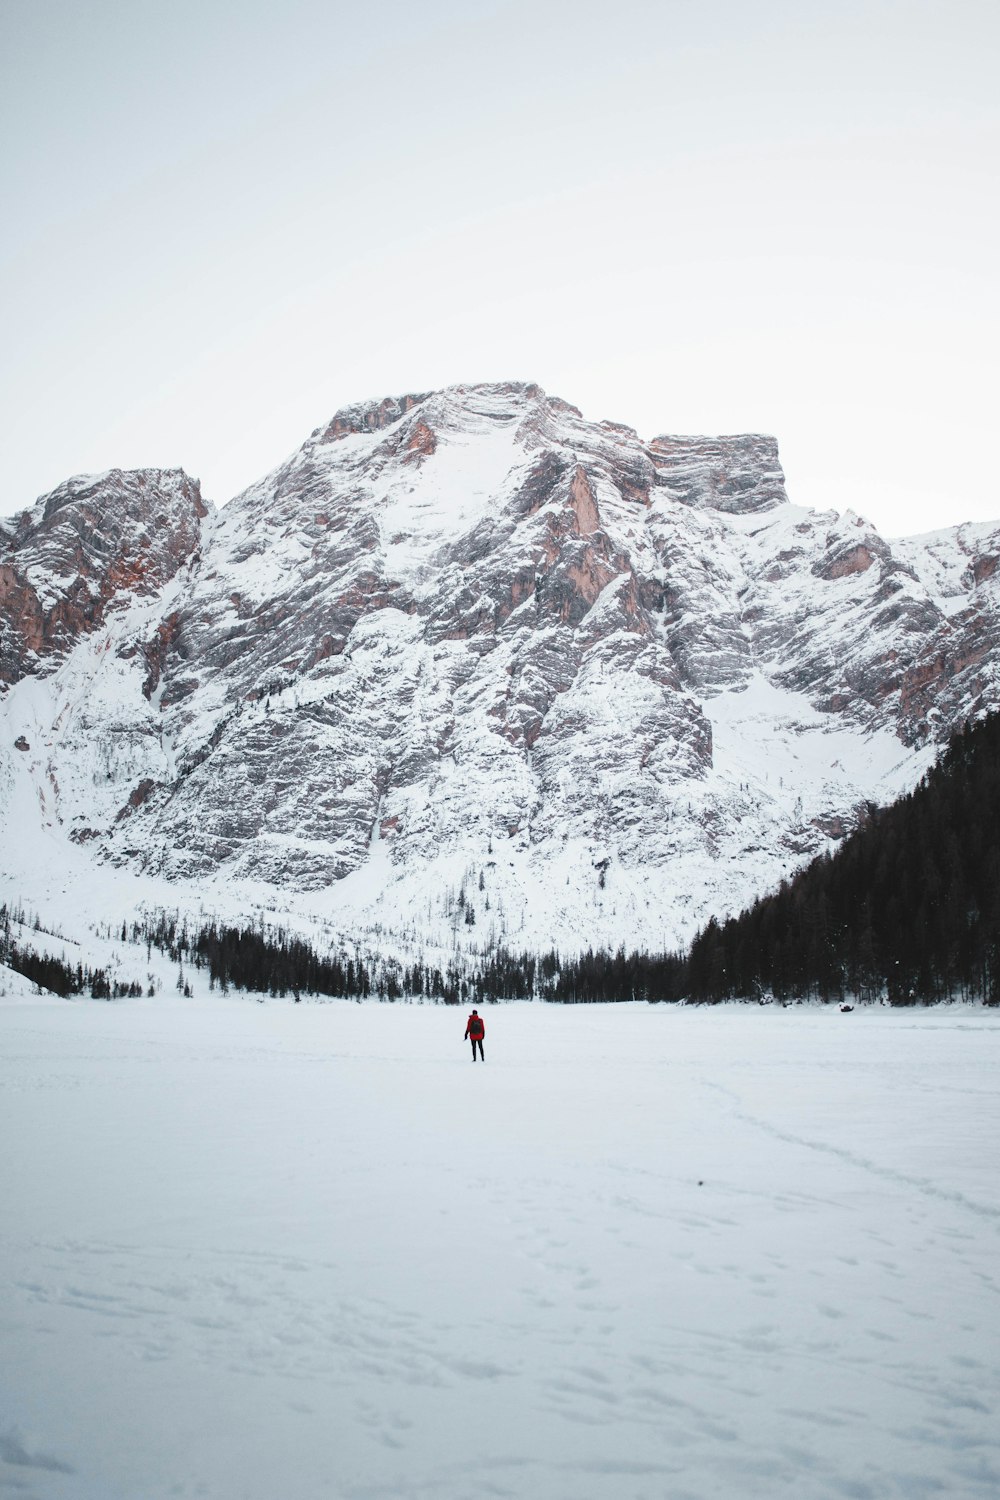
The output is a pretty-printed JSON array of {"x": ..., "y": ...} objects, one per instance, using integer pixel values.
[{"x": 475, "y": 1030}]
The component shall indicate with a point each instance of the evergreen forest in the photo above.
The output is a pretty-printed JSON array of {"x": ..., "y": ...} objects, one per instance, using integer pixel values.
[
  {"x": 907, "y": 909},
  {"x": 54, "y": 974}
]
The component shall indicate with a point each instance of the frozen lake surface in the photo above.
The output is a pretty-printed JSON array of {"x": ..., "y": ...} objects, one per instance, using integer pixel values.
[{"x": 279, "y": 1252}]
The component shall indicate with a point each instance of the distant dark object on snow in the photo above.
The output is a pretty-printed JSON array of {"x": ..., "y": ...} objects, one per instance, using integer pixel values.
[{"x": 846, "y": 1008}]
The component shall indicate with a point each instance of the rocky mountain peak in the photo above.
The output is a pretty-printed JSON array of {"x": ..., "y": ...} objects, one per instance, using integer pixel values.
[
  {"x": 499, "y": 401},
  {"x": 94, "y": 538},
  {"x": 738, "y": 474},
  {"x": 368, "y": 416}
]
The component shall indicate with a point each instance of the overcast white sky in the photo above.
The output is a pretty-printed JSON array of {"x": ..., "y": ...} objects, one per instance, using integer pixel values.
[{"x": 221, "y": 221}]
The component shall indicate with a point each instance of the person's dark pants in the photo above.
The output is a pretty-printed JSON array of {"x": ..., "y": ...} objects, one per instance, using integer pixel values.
[{"x": 477, "y": 1041}]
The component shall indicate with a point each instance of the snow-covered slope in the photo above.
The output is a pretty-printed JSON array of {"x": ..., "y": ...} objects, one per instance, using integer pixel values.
[{"x": 470, "y": 668}]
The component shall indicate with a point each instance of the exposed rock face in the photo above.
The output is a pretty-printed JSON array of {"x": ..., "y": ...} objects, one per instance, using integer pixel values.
[
  {"x": 732, "y": 474},
  {"x": 618, "y": 685},
  {"x": 370, "y": 416},
  {"x": 90, "y": 541}
]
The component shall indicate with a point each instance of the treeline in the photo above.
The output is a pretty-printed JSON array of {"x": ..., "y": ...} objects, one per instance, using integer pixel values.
[
  {"x": 908, "y": 909},
  {"x": 53, "y": 973},
  {"x": 266, "y": 962},
  {"x": 279, "y": 963},
  {"x": 592, "y": 978}
]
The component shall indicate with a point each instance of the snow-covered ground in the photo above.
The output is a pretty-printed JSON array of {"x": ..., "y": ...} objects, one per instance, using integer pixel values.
[{"x": 252, "y": 1251}]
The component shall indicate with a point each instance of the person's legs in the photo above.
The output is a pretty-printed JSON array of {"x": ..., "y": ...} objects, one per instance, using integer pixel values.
[
  {"x": 482, "y": 1054},
  {"x": 473, "y": 1041}
]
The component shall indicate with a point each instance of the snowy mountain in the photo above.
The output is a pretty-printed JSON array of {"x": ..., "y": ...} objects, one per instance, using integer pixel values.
[{"x": 468, "y": 667}]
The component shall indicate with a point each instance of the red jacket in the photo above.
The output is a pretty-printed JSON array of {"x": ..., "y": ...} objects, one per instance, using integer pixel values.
[{"x": 475, "y": 1027}]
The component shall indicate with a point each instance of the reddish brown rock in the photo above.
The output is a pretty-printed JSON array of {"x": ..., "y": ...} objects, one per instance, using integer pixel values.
[
  {"x": 369, "y": 416},
  {"x": 138, "y": 796},
  {"x": 855, "y": 560},
  {"x": 92, "y": 540},
  {"x": 421, "y": 443},
  {"x": 584, "y": 505}
]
